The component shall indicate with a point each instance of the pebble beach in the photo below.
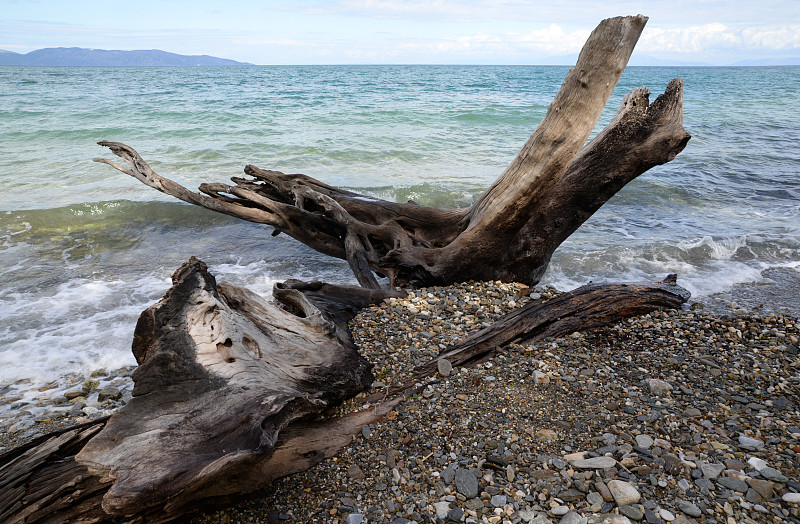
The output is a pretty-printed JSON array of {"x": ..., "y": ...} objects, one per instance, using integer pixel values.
[{"x": 676, "y": 416}]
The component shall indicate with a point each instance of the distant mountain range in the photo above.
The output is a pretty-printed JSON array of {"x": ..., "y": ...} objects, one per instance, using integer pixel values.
[
  {"x": 792, "y": 60},
  {"x": 78, "y": 56}
]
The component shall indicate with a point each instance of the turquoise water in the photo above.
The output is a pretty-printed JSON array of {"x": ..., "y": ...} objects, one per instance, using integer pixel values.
[{"x": 84, "y": 249}]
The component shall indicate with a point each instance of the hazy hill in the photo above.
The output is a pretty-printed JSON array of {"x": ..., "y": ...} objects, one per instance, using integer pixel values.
[
  {"x": 78, "y": 56},
  {"x": 795, "y": 60}
]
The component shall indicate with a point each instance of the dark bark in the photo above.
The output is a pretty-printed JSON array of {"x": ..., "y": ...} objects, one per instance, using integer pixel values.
[{"x": 555, "y": 183}]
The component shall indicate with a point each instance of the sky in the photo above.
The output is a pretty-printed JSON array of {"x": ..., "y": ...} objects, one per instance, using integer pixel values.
[{"x": 404, "y": 32}]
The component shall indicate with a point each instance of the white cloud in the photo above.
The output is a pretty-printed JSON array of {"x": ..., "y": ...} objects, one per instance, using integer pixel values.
[
  {"x": 709, "y": 38},
  {"x": 549, "y": 41}
]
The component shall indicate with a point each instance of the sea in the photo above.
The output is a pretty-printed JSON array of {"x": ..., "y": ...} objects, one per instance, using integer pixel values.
[{"x": 84, "y": 249}]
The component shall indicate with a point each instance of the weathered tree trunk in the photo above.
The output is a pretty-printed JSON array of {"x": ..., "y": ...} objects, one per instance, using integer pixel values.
[
  {"x": 223, "y": 389},
  {"x": 553, "y": 185}
]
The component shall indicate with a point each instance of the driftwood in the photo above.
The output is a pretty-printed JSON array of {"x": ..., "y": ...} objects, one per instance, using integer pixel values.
[
  {"x": 223, "y": 391},
  {"x": 553, "y": 185},
  {"x": 233, "y": 391}
]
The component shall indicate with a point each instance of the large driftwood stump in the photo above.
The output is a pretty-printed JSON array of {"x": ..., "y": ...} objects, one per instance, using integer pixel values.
[
  {"x": 554, "y": 185},
  {"x": 221, "y": 374}
]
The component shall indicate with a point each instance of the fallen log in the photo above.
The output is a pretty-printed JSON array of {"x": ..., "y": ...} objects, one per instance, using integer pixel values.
[
  {"x": 215, "y": 417},
  {"x": 554, "y": 185}
]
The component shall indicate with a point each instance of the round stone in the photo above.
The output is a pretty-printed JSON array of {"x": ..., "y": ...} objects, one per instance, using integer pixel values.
[
  {"x": 594, "y": 499},
  {"x": 791, "y": 498},
  {"x": 644, "y": 441},
  {"x": 444, "y": 367},
  {"x": 690, "y": 509},
  {"x": 624, "y": 493}
]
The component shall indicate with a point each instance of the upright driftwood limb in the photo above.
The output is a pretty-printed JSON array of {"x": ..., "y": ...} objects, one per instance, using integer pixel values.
[
  {"x": 553, "y": 185},
  {"x": 222, "y": 388}
]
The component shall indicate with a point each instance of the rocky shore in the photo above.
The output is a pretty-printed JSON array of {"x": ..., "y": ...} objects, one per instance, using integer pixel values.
[{"x": 676, "y": 416}]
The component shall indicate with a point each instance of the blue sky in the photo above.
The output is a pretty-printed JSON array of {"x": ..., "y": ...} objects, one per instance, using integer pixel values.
[{"x": 415, "y": 31}]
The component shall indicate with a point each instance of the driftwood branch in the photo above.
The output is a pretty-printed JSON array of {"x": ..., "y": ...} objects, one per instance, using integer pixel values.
[{"x": 555, "y": 183}]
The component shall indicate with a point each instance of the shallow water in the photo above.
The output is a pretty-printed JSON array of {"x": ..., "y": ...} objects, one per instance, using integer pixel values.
[{"x": 84, "y": 249}]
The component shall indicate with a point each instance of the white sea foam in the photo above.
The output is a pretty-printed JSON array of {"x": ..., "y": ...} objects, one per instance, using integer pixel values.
[
  {"x": 86, "y": 325},
  {"x": 705, "y": 266},
  {"x": 83, "y": 326},
  {"x": 254, "y": 275}
]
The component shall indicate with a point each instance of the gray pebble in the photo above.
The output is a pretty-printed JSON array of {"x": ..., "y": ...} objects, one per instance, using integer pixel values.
[
  {"x": 750, "y": 444},
  {"x": 355, "y": 518},
  {"x": 560, "y": 511},
  {"x": 571, "y": 518},
  {"x": 466, "y": 483},
  {"x": 498, "y": 501},
  {"x": 632, "y": 512},
  {"x": 455, "y": 515},
  {"x": 624, "y": 493},
  {"x": 449, "y": 473},
  {"x": 644, "y": 441},
  {"x": 773, "y": 475},
  {"x": 689, "y": 508},
  {"x": 733, "y": 483},
  {"x": 595, "y": 463},
  {"x": 711, "y": 471},
  {"x": 791, "y": 498},
  {"x": 594, "y": 499},
  {"x": 442, "y": 509},
  {"x": 658, "y": 387}
]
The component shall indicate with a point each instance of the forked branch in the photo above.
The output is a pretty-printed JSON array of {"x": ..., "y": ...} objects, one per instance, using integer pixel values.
[{"x": 553, "y": 185}]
